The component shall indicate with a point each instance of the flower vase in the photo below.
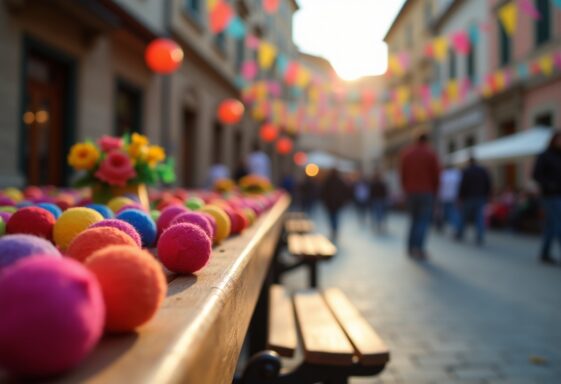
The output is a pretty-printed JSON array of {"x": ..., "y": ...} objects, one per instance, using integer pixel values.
[{"x": 102, "y": 193}]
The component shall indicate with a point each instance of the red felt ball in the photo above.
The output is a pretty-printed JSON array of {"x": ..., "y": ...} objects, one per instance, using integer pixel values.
[
  {"x": 163, "y": 56},
  {"x": 239, "y": 221},
  {"x": 230, "y": 111},
  {"x": 184, "y": 248},
  {"x": 94, "y": 239},
  {"x": 32, "y": 221}
]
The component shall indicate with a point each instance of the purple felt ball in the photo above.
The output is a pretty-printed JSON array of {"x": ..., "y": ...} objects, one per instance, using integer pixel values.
[
  {"x": 167, "y": 215},
  {"x": 122, "y": 226},
  {"x": 19, "y": 246},
  {"x": 5, "y": 216},
  {"x": 195, "y": 218},
  {"x": 52, "y": 315}
]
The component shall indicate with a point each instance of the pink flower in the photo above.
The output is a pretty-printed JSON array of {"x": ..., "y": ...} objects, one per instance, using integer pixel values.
[
  {"x": 116, "y": 169},
  {"x": 109, "y": 143}
]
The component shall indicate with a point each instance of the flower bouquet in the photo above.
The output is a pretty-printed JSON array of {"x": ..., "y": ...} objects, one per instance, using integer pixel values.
[{"x": 118, "y": 166}]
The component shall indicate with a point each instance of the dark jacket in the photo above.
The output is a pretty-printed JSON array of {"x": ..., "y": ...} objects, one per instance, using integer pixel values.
[
  {"x": 334, "y": 192},
  {"x": 378, "y": 189},
  {"x": 547, "y": 172},
  {"x": 475, "y": 183}
]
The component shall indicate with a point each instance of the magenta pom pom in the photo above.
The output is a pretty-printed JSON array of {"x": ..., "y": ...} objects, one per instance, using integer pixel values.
[
  {"x": 122, "y": 226},
  {"x": 211, "y": 220},
  {"x": 167, "y": 215},
  {"x": 195, "y": 218},
  {"x": 184, "y": 248},
  {"x": 52, "y": 316}
]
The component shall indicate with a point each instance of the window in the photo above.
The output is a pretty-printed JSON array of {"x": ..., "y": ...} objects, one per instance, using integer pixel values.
[
  {"x": 544, "y": 119},
  {"x": 240, "y": 52},
  {"x": 428, "y": 14},
  {"x": 505, "y": 42},
  {"x": 451, "y": 146},
  {"x": 193, "y": 8},
  {"x": 543, "y": 24},
  {"x": 470, "y": 141},
  {"x": 452, "y": 73},
  {"x": 128, "y": 109},
  {"x": 220, "y": 41},
  {"x": 471, "y": 59}
]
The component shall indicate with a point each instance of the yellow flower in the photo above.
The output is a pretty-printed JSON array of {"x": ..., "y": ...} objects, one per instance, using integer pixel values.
[
  {"x": 138, "y": 139},
  {"x": 154, "y": 155},
  {"x": 138, "y": 147},
  {"x": 83, "y": 156}
]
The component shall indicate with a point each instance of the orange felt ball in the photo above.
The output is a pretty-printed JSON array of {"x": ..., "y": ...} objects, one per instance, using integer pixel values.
[
  {"x": 133, "y": 285},
  {"x": 94, "y": 239}
]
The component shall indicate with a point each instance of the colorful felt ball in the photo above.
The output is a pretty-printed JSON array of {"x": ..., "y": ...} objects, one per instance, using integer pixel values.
[
  {"x": 94, "y": 239},
  {"x": 71, "y": 223},
  {"x": 239, "y": 221},
  {"x": 250, "y": 215},
  {"x": 194, "y": 203},
  {"x": 133, "y": 285},
  {"x": 2, "y": 227},
  {"x": 211, "y": 220},
  {"x": 155, "y": 214},
  {"x": 121, "y": 226},
  {"x": 116, "y": 203},
  {"x": 53, "y": 208},
  {"x": 143, "y": 223},
  {"x": 16, "y": 247},
  {"x": 5, "y": 201},
  {"x": 184, "y": 248},
  {"x": 197, "y": 219},
  {"x": 52, "y": 315},
  {"x": 167, "y": 215},
  {"x": 24, "y": 203},
  {"x": 8, "y": 209},
  {"x": 33, "y": 221},
  {"x": 223, "y": 224},
  {"x": 5, "y": 216},
  {"x": 103, "y": 210},
  {"x": 14, "y": 194}
]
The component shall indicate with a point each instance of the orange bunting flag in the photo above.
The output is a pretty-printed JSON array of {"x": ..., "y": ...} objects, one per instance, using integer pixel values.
[
  {"x": 440, "y": 48},
  {"x": 508, "y": 16}
]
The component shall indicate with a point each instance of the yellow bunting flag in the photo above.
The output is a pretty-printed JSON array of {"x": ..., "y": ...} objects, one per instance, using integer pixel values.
[
  {"x": 546, "y": 64},
  {"x": 403, "y": 94},
  {"x": 394, "y": 65},
  {"x": 452, "y": 89},
  {"x": 440, "y": 47},
  {"x": 303, "y": 77},
  {"x": 266, "y": 55},
  {"x": 500, "y": 80},
  {"x": 508, "y": 15}
]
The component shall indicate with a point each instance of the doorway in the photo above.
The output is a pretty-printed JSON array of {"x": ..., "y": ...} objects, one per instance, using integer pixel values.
[
  {"x": 46, "y": 137},
  {"x": 189, "y": 147}
]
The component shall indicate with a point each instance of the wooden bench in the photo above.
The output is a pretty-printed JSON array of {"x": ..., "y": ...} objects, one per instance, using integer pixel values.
[
  {"x": 298, "y": 225},
  {"x": 336, "y": 341},
  {"x": 309, "y": 250}
]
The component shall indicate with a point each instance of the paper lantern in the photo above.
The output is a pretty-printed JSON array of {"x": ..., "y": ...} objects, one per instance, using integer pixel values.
[
  {"x": 268, "y": 132},
  {"x": 300, "y": 158},
  {"x": 230, "y": 111},
  {"x": 284, "y": 145},
  {"x": 163, "y": 56}
]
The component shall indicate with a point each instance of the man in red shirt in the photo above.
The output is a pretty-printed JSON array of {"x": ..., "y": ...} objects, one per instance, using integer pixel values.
[{"x": 420, "y": 174}]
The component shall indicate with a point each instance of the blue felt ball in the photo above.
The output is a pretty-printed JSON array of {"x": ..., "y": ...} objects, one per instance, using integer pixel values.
[
  {"x": 53, "y": 208},
  {"x": 103, "y": 210},
  {"x": 143, "y": 224},
  {"x": 24, "y": 203}
]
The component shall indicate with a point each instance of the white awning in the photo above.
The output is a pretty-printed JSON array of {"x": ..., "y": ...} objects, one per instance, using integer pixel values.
[
  {"x": 327, "y": 160},
  {"x": 513, "y": 147}
]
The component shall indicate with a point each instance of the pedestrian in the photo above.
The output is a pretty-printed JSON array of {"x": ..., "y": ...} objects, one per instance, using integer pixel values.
[
  {"x": 258, "y": 163},
  {"x": 308, "y": 194},
  {"x": 450, "y": 179},
  {"x": 475, "y": 191},
  {"x": 547, "y": 173},
  {"x": 334, "y": 196},
  {"x": 420, "y": 174},
  {"x": 361, "y": 194},
  {"x": 241, "y": 170},
  {"x": 379, "y": 201},
  {"x": 217, "y": 171}
]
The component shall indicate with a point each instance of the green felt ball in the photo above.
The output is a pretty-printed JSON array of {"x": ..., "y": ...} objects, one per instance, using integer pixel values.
[{"x": 194, "y": 203}]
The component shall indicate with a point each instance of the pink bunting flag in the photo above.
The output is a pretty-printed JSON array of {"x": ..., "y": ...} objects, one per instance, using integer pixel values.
[
  {"x": 529, "y": 8},
  {"x": 249, "y": 70},
  {"x": 274, "y": 88},
  {"x": 252, "y": 41},
  {"x": 460, "y": 41}
]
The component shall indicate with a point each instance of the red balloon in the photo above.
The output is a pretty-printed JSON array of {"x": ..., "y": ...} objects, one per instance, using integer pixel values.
[
  {"x": 163, "y": 56},
  {"x": 230, "y": 111},
  {"x": 284, "y": 145},
  {"x": 300, "y": 158},
  {"x": 268, "y": 132}
]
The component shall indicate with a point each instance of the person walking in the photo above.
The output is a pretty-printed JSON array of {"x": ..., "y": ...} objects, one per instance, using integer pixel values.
[
  {"x": 450, "y": 179},
  {"x": 334, "y": 196},
  {"x": 379, "y": 201},
  {"x": 547, "y": 173},
  {"x": 361, "y": 192},
  {"x": 420, "y": 174},
  {"x": 475, "y": 190}
]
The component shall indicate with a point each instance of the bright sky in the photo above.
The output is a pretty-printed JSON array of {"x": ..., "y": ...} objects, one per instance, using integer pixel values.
[{"x": 348, "y": 33}]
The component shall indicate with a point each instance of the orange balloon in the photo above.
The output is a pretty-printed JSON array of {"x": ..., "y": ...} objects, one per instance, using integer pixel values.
[
  {"x": 300, "y": 158},
  {"x": 230, "y": 111},
  {"x": 268, "y": 132},
  {"x": 284, "y": 145},
  {"x": 163, "y": 56}
]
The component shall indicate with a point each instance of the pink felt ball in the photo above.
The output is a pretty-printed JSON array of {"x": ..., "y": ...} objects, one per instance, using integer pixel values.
[
  {"x": 195, "y": 218},
  {"x": 167, "y": 215},
  {"x": 52, "y": 315},
  {"x": 184, "y": 248},
  {"x": 32, "y": 221},
  {"x": 211, "y": 220}
]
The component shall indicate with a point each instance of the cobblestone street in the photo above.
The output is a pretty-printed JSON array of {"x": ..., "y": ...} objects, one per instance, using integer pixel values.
[{"x": 470, "y": 314}]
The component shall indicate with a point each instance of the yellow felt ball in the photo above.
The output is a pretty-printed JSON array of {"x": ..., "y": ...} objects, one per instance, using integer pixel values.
[
  {"x": 116, "y": 203},
  {"x": 14, "y": 194},
  {"x": 250, "y": 215},
  {"x": 223, "y": 224},
  {"x": 72, "y": 222}
]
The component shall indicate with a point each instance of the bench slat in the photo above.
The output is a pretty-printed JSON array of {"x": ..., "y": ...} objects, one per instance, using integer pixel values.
[
  {"x": 324, "y": 341},
  {"x": 370, "y": 347},
  {"x": 311, "y": 246},
  {"x": 282, "y": 336}
]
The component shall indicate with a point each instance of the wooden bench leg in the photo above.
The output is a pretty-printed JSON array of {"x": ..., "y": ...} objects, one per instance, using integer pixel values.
[
  {"x": 260, "y": 319},
  {"x": 313, "y": 273}
]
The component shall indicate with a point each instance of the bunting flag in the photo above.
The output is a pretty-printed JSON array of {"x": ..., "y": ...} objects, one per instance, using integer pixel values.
[
  {"x": 508, "y": 16},
  {"x": 252, "y": 42},
  {"x": 266, "y": 55},
  {"x": 461, "y": 42},
  {"x": 220, "y": 16},
  {"x": 210, "y": 4},
  {"x": 440, "y": 48},
  {"x": 546, "y": 64},
  {"x": 473, "y": 34},
  {"x": 528, "y": 7},
  {"x": 271, "y": 6},
  {"x": 557, "y": 3},
  {"x": 249, "y": 70},
  {"x": 236, "y": 29}
]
